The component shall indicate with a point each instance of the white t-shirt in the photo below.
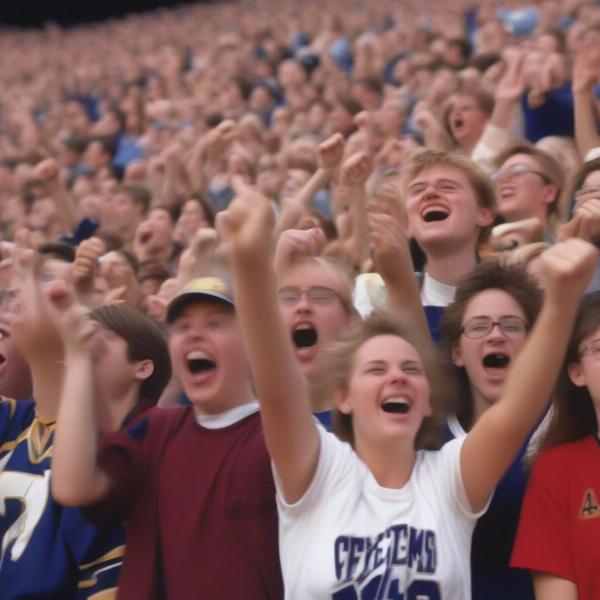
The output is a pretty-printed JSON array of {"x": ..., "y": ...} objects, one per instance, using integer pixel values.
[{"x": 350, "y": 538}]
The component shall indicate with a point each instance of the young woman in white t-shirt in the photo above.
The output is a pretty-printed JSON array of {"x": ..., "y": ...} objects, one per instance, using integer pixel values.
[{"x": 381, "y": 518}]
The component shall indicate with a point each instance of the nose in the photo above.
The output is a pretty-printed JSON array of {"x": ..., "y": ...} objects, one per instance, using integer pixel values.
[
  {"x": 430, "y": 192},
  {"x": 397, "y": 375},
  {"x": 496, "y": 333},
  {"x": 303, "y": 305}
]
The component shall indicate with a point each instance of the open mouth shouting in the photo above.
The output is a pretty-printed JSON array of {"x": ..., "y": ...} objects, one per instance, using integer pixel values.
[
  {"x": 496, "y": 364},
  {"x": 457, "y": 124},
  {"x": 200, "y": 365},
  {"x": 304, "y": 338},
  {"x": 434, "y": 212},
  {"x": 396, "y": 405}
]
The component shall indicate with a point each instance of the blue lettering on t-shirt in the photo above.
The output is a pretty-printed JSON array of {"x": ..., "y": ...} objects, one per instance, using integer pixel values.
[{"x": 388, "y": 566}]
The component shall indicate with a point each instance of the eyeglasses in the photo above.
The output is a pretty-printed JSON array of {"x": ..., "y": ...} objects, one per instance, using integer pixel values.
[
  {"x": 513, "y": 328},
  {"x": 315, "y": 294},
  {"x": 592, "y": 348},
  {"x": 515, "y": 170},
  {"x": 587, "y": 190}
]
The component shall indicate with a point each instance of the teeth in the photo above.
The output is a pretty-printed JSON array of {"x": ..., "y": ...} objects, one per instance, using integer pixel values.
[
  {"x": 396, "y": 405},
  {"x": 196, "y": 355},
  {"x": 301, "y": 326}
]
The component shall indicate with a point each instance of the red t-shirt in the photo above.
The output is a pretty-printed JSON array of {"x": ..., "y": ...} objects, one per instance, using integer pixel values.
[
  {"x": 559, "y": 529},
  {"x": 198, "y": 505}
]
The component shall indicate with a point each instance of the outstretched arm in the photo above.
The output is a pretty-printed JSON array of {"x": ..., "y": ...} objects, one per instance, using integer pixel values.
[
  {"x": 290, "y": 430},
  {"x": 76, "y": 478},
  {"x": 495, "y": 439},
  {"x": 585, "y": 75}
]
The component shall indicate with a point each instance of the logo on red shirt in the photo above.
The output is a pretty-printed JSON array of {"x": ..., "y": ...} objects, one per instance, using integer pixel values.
[{"x": 590, "y": 508}]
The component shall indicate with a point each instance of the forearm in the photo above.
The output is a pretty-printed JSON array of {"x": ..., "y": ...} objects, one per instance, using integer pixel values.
[
  {"x": 290, "y": 431},
  {"x": 46, "y": 376},
  {"x": 319, "y": 179},
  {"x": 74, "y": 470},
  {"x": 532, "y": 378},
  {"x": 586, "y": 135},
  {"x": 65, "y": 206},
  {"x": 360, "y": 228}
]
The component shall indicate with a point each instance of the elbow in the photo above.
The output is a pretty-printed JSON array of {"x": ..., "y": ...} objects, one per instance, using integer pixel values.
[{"x": 66, "y": 494}]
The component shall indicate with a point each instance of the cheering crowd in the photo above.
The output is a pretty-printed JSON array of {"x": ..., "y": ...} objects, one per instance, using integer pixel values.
[{"x": 302, "y": 300}]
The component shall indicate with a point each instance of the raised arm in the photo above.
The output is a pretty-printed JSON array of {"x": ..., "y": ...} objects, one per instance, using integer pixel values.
[
  {"x": 290, "y": 431},
  {"x": 494, "y": 441},
  {"x": 585, "y": 75},
  {"x": 391, "y": 253},
  {"x": 331, "y": 152},
  {"x": 76, "y": 478}
]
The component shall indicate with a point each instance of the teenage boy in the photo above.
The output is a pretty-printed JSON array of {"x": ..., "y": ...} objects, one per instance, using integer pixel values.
[
  {"x": 193, "y": 484},
  {"x": 49, "y": 551}
]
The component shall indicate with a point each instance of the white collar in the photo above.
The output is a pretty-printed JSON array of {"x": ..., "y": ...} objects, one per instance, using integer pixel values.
[
  {"x": 436, "y": 293},
  {"x": 229, "y": 417}
]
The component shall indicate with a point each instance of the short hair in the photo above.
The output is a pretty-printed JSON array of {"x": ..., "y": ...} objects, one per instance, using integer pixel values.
[
  {"x": 108, "y": 143},
  {"x": 58, "y": 251},
  {"x": 373, "y": 84},
  {"x": 491, "y": 274},
  {"x": 144, "y": 342},
  {"x": 550, "y": 167},
  {"x": 480, "y": 182},
  {"x": 485, "y": 101},
  {"x": 336, "y": 368},
  {"x": 138, "y": 192},
  {"x": 463, "y": 44}
]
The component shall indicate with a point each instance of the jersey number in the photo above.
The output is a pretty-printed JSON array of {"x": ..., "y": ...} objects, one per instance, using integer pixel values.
[{"x": 32, "y": 492}]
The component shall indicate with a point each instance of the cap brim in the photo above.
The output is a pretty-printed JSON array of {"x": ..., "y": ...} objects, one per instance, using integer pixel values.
[{"x": 181, "y": 301}]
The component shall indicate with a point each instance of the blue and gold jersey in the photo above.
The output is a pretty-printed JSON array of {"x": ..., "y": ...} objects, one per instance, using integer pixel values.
[{"x": 47, "y": 551}]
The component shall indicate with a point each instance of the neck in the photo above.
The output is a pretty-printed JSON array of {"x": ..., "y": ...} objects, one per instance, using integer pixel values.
[
  {"x": 391, "y": 465},
  {"x": 540, "y": 214},
  {"x": 468, "y": 144},
  {"x": 449, "y": 267},
  {"x": 480, "y": 405},
  {"x": 219, "y": 405},
  {"x": 113, "y": 411}
]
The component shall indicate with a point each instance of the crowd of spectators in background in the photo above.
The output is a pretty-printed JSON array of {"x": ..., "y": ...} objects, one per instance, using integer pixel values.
[{"x": 143, "y": 160}]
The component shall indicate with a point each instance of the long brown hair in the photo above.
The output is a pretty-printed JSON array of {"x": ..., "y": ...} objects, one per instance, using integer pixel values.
[
  {"x": 491, "y": 274},
  {"x": 573, "y": 416}
]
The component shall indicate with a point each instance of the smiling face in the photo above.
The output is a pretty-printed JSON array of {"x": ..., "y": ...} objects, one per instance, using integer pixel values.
[
  {"x": 388, "y": 392},
  {"x": 312, "y": 324},
  {"x": 208, "y": 356},
  {"x": 523, "y": 192},
  {"x": 487, "y": 359},
  {"x": 442, "y": 208}
]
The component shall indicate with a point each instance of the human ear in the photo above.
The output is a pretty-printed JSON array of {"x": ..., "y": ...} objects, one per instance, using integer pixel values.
[
  {"x": 550, "y": 193},
  {"x": 144, "y": 369},
  {"x": 485, "y": 217},
  {"x": 576, "y": 375},
  {"x": 456, "y": 356},
  {"x": 343, "y": 403}
]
